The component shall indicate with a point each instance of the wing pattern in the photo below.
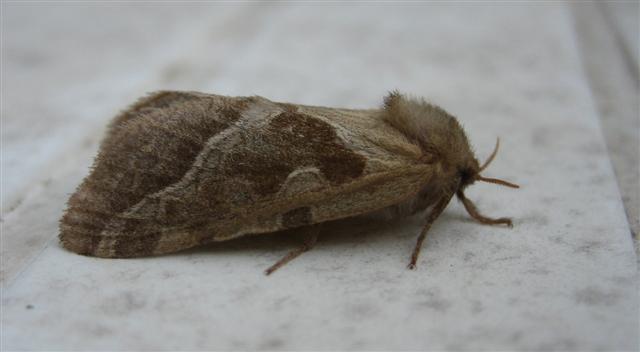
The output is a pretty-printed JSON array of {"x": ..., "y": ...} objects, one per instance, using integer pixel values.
[{"x": 185, "y": 169}]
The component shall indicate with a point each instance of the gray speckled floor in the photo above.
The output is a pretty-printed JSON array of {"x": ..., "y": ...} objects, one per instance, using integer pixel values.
[
  {"x": 609, "y": 39},
  {"x": 564, "y": 278}
]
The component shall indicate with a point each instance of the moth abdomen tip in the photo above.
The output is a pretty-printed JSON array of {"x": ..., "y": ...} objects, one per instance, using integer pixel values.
[{"x": 77, "y": 241}]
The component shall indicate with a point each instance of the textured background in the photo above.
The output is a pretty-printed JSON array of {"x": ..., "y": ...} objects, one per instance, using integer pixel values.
[{"x": 557, "y": 82}]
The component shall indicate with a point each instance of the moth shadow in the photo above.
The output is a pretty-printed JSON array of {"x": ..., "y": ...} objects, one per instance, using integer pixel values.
[{"x": 344, "y": 232}]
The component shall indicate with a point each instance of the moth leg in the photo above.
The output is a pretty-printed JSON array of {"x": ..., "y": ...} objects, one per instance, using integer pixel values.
[
  {"x": 433, "y": 215},
  {"x": 311, "y": 237},
  {"x": 473, "y": 211}
]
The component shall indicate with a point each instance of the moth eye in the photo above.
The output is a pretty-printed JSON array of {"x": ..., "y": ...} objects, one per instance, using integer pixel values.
[{"x": 466, "y": 176}]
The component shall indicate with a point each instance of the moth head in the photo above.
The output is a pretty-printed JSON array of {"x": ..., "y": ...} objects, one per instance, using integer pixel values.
[{"x": 471, "y": 173}]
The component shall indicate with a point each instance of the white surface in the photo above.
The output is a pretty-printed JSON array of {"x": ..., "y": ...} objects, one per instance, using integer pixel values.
[
  {"x": 563, "y": 278},
  {"x": 614, "y": 80}
]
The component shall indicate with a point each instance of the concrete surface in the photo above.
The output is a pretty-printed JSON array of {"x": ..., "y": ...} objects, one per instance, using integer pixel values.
[
  {"x": 608, "y": 35},
  {"x": 564, "y": 278}
]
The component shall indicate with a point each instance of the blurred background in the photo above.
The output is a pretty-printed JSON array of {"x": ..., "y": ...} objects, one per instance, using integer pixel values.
[{"x": 506, "y": 69}]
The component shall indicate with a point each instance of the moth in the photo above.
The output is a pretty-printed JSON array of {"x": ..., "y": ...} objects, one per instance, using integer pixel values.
[{"x": 182, "y": 169}]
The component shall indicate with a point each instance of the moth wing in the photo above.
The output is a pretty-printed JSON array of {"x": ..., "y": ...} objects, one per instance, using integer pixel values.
[
  {"x": 267, "y": 166},
  {"x": 148, "y": 147}
]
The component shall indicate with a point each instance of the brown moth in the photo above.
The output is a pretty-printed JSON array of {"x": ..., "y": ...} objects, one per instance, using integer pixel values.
[{"x": 181, "y": 169}]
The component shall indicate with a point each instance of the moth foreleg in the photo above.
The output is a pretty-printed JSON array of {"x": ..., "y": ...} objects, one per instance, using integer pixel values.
[
  {"x": 433, "y": 215},
  {"x": 311, "y": 237},
  {"x": 473, "y": 211}
]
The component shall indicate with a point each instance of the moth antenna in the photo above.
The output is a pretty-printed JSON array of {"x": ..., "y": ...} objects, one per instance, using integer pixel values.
[
  {"x": 473, "y": 211},
  {"x": 496, "y": 181},
  {"x": 491, "y": 157}
]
